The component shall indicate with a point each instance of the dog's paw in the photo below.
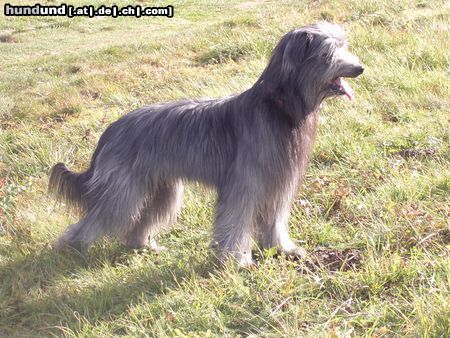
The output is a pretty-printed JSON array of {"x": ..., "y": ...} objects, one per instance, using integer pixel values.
[
  {"x": 63, "y": 245},
  {"x": 295, "y": 252},
  {"x": 244, "y": 260},
  {"x": 241, "y": 259},
  {"x": 155, "y": 247},
  {"x": 59, "y": 245}
]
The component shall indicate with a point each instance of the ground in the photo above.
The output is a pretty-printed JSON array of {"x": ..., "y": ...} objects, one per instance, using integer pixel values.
[{"x": 372, "y": 212}]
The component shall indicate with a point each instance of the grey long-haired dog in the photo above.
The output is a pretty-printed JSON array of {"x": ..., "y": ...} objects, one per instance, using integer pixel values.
[{"x": 252, "y": 147}]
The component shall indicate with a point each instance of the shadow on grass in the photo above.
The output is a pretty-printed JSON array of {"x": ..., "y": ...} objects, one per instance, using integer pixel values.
[{"x": 47, "y": 290}]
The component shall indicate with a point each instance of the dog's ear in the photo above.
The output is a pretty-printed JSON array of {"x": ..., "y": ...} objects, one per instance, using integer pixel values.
[
  {"x": 295, "y": 52},
  {"x": 281, "y": 77}
]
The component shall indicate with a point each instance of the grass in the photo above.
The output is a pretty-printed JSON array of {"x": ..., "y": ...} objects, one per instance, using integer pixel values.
[{"x": 378, "y": 183}]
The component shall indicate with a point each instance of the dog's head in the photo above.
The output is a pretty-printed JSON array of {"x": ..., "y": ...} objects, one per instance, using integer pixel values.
[{"x": 310, "y": 64}]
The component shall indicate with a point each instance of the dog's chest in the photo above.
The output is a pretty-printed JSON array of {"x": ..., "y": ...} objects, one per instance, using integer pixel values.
[{"x": 302, "y": 141}]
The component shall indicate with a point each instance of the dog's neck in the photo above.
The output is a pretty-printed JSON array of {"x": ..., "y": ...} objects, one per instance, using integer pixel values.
[{"x": 285, "y": 101}]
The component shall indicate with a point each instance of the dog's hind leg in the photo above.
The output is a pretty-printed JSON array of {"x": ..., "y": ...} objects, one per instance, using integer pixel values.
[
  {"x": 79, "y": 235},
  {"x": 113, "y": 207},
  {"x": 158, "y": 212}
]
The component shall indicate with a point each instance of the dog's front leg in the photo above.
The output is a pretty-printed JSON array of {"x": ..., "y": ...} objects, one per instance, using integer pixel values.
[
  {"x": 272, "y": 223},
  {"x": 234, "y": 222}
]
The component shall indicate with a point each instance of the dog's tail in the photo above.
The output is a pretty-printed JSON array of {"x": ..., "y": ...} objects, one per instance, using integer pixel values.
[{"x": 69, "y": 186}]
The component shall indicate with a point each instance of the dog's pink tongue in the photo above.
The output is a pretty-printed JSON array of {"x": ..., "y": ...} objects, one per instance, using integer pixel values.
[{"x": 345, "y": 87}]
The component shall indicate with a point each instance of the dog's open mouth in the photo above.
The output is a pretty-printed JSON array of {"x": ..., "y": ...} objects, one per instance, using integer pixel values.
[{"x": 341, "y": 87}]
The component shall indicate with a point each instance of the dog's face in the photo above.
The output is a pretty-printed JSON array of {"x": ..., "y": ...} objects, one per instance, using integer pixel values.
[
  {"x": 314, "y": 63},
  {"x": 335, "y": 59}
]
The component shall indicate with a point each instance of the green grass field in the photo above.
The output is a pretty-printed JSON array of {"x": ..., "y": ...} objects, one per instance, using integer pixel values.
[{"x": 374, "y": 205}]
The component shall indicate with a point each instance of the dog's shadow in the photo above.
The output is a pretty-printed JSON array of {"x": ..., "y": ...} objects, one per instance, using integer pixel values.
[{"x": 36, "y": 295}]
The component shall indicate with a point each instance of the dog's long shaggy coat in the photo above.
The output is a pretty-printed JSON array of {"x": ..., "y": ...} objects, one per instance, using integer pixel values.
[{"x": 252, "y": 147}]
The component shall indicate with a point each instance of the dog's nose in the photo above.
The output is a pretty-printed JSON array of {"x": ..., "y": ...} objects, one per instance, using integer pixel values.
[{"x": 360, "y": 69}]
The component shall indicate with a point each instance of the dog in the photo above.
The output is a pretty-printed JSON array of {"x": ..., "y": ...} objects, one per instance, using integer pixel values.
[{"x": 253, "y": 148}]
